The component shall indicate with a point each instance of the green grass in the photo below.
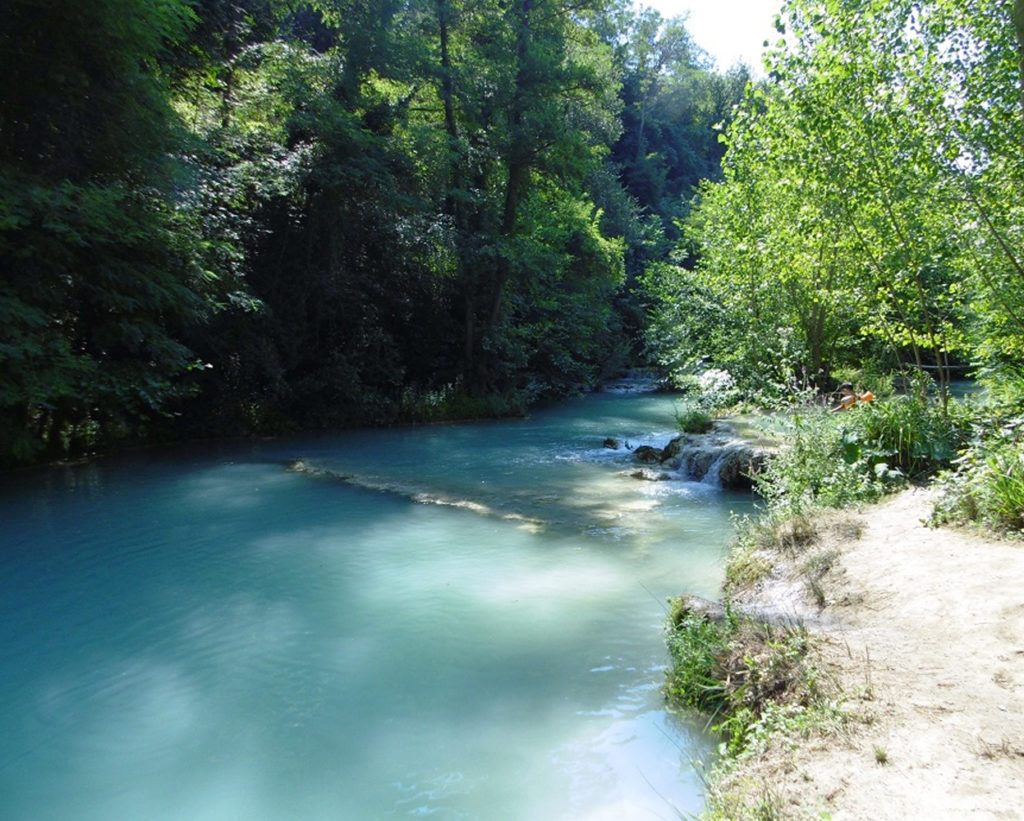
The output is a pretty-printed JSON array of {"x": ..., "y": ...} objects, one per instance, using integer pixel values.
[
  {"x": 987, "y": 486},
  {"x": 835, "y": 460},
  {"x": 750, "y": 678},
  {"x": 691, "y": 419}
]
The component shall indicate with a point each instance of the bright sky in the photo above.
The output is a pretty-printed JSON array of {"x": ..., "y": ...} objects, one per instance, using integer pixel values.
[{"x": 729, "y": 30}]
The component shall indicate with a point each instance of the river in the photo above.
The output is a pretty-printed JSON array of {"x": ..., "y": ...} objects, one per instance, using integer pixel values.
[{"x": 468, "y": 625}]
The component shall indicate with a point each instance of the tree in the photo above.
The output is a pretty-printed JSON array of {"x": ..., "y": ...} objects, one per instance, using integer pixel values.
[
  {"x": 853, "y": 148},
  {"x": 672, "y": 105},
  {"x": 261, "y": 215},
  {"x": 372, "y": 194},
  {"x": 975, "y": 145},
  {"x": 526, "y": 92},
  {"x": 672, "y": 109},
  {"x": 312, "y": 175},
  {"x": 98, "y": 279}
]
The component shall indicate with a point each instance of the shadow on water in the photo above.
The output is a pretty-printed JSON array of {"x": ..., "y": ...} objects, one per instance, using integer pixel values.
[{"x": 208, "y": 635}]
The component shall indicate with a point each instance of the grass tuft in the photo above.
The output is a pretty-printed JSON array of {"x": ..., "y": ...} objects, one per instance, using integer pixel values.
[
  {"x": 987, "y": 484},
  {"x": 751, "y": 678}
]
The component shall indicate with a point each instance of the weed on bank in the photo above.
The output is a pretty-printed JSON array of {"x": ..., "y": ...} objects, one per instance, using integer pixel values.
[{"x": 757, "y": 681}]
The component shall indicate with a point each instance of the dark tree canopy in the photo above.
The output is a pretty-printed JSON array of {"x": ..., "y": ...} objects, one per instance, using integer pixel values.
[
  {"x": 255, "y": 216},
  {"x": 98, "y": 280}
]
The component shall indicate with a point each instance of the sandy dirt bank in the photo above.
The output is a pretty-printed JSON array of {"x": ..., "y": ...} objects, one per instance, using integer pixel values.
[{"x": 924, "y": 632}]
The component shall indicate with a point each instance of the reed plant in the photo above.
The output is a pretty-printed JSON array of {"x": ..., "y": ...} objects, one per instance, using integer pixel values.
[
  {"x": 692, "y": 419},
  {"x": 917, "y": 438},
  {"x": 986, "y": 486},
  {"x": 749, "y": 677},
  {"x": 835, "y": 460}
]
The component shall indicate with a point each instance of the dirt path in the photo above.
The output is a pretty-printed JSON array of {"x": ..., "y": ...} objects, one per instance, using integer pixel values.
[{"x": 928, "y": 625}]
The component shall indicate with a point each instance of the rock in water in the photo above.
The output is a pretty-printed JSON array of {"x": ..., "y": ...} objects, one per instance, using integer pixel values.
[
  {"x": 690, "y": 605},
  {"x": 647, "y": 454}
]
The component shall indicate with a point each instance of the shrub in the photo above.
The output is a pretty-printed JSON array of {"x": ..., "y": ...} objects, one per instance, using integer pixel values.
[
  {"x": 706, "y": 394},
  {"x": 745, "y": 674},
  {"x": 454, "y": 403},
  {"x": 826, "y": 463},
  {"x": 987, "y": 486},
  {"x": 691, "y": 419},
  {"x": 915, "y": 437},
  {"x": 697, "y": 645},
  {"x": 836, "y": 460},
  {"x": 717, "y": 388}
]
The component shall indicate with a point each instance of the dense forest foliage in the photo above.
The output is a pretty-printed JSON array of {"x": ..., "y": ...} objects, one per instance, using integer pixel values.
[
  {"x": 238, "y": 217},
  {"x": 224, "y": 217},
  {"x": 871, "y": 214}
]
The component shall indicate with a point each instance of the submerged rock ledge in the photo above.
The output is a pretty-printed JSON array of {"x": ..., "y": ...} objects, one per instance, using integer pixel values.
[{"x": 410, "y": 491}]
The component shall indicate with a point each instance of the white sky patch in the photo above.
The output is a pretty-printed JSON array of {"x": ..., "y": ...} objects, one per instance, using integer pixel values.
[{"x": 731, "y": 31}]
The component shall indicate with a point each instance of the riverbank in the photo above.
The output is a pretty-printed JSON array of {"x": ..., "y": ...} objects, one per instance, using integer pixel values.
[{"x": 921, "y": 633}]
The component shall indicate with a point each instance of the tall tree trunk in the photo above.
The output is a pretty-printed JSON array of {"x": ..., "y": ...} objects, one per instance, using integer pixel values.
[
  {"x": 232, "y": 47},
  {"x": 453, "y": 205},
  {"x": 517, "y": 162},
  {"x": 447, "y": 84}
]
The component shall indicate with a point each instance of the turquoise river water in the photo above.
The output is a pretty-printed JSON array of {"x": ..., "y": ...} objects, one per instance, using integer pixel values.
[{"x": 469, "y": 625}]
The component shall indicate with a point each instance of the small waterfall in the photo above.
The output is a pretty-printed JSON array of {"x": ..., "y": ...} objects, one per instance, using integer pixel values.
[
  {"x": 636, "y": 381},
  {"x": 717, "y": 459},
  {"x": 713, "y": 476}
]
